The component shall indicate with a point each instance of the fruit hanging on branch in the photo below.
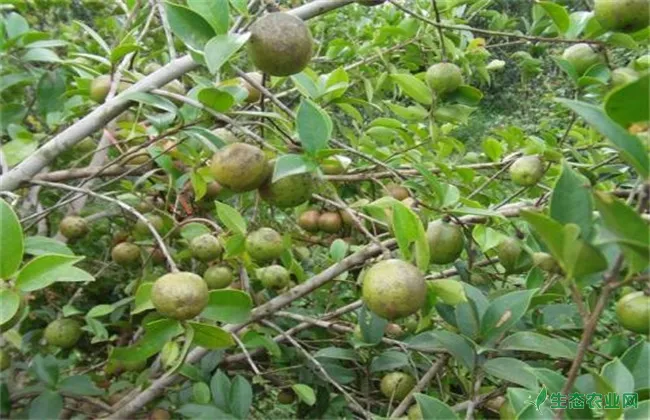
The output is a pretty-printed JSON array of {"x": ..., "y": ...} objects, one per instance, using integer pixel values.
[
  {"x": 330, "y": 222},
  {"x": 397, "y": 385},
  {"x": 622, "y": 15},
  {"x": 63, "y": 333},
  {"x": 394, "y": 289},
  {"x": 513, "y": 257},
  {"x": 73, "y": 227},
  {"x": 280, "y": 44},
  {"x": 206, "y": 248},
  {"x": 141, "y": 228},
  {"x": 180, "y": 295},
  {"x": 99, "y": 88},
  {"x": 446, "y": 241},
  {"x": 633, "y": 312},
  {"x": 397, "y": 191},
  {"x": 308, "y": 220},
  {"x": 240, "y": 167},
  {"x": 274, "y": 277},
  {"x": 527, "y": 171},
  {"x": 290, "y": 191},
  {"x": 264, "y": 245},
  {"x": 218, "y": 277},
  {"x": 126, "y": 254},
  {"x": 582, "y": 57},
  {"x": 444, "y": 77}
]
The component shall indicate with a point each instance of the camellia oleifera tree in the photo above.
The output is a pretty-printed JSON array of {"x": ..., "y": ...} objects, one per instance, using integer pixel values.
[{"x": 211, "y": 207}]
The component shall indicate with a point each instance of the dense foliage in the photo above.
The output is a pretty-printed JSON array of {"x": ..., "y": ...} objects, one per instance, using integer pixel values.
[{"x": 326, "y": 209}]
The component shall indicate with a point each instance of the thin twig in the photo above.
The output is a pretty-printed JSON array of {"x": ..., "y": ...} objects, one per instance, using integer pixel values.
[{"x": 423, "y": 383}]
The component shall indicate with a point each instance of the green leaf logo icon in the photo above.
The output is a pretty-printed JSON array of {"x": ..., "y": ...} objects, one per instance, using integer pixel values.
[{"x": 541, "y": 398}]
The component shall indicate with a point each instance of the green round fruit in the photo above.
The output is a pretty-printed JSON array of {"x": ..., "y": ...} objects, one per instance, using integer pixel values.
[
  {"x": 126, "y": 254},
  {"x": 63, "y": 333},
  {"x": 623, "y": 76},
  {"x": 622, "y": 15},
  {"x": 582, "y": 57},
  {"x": 393, "y": 330},
  {"x": 397, "y": 191},
  {"x": 99, "y": 88},
  {"x": 175, "y": 86},
  {"x": 86, "y": 145},
  {"x": 626, "y": 290},
  {"x": 286, "y": 396},
  {"x": 218, "y": 277},
  {"x": 73, "y": 227},
  {"x": 333, "y": 165},
  {"x": 397, "y": 385},
  {"x": 212, "y": 190},
  {"x": 446, "y": 242},
  {"x": 5, "y": 360},
  {"x": 240, "y": 167},
  {"x": 226, "y": 135},
  {"x": 444, "y": 77},
  {"x": 415, "y": 413},
  {"x": 510, "y": 251},
  {"x": 136, "y": 156},
  {"x": 633, "y": 312},
  {"x": 142, "y": 229},
  {"x": 180, "y": 295},
  {"x": 290, "y": 191},
  {"x": 330, "y": 222},
  {"x": 394, "y": 289},
  {"x": 275, "y": 277},
  {"x": 472, "y": 157},
  {"x": 309, "y": 220},
  {"x": 205, "y": 247},
  {"x": 151, "y": 67},
  {"x": 526, "y": 171},
  {"x": 264, "y": 245},
  {"x": 280, "y": 44},
  {"x": 545, "y": 262}
]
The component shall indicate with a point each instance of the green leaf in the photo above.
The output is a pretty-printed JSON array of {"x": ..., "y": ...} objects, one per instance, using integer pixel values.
[
  {"x": 220, "y": 386},
  {"x": 228, "y": 305},
  {"x": 211, "y": 336},
  {"x": 9, "y": 304},
  {"x": 637, "y": 360},
  {"x": 15, "y": 25},
  {"x": 389, "y": 360},
  {"x": 43, "y": 55},
  {"x": 11, "y": 241},
  {"x": 241, "y": 397},
  {"x": 231, "y": 218},
  {"x": 558, "y": 15},
  {"x": 152, "y": 100},
  {"x": 408, "y": 228},
  {"x": 189, "y": 26},
  {"x": 42, "y": 271},
  {"x": 466, "y": 95},
  {"x": 100, "y": 310},
  {"x": 79, "y": 385},
  {"x": 618, "y": 375},
  {"x": 571, "y": 201},
  {"x": 290, "y": 164},
  {"x": 433, "y": 408},
  {"x": 215, "y": 12},
  {"x": 630, "y": 103},
  {"x": 121, "y": 50},
  {"x": 314, "y": 127},
  {"x": 449, "y": 291},
  {"x": 511, "y": 370},
  {"x": 216, "y": 99},
  {"x": 201, "y": 392},
  {"x": 305, "y": 393},
  {"x": 504, "y": 312},
  {"x": 203, "y": 412},
  {"x": 631, "y": 232},
  {"x": 337, "y": 353},
  {"x": 47, "y": 405},
  {"x": 492, "y": 148},
  {"x": 339, "y": 249},
  {"x": 143, "y": 298},
  {"x": 530, "y": 341},
  {"x": 631, "y": 148},
  {"x": 156, "y": 334},
  {"x": 220, "y": 48},
  {"x": 94, "y": 35},
  {"x": 41, "y": 245},
  {"x": 46, "y": 369},
  {"x": 414, "y": 88}
]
